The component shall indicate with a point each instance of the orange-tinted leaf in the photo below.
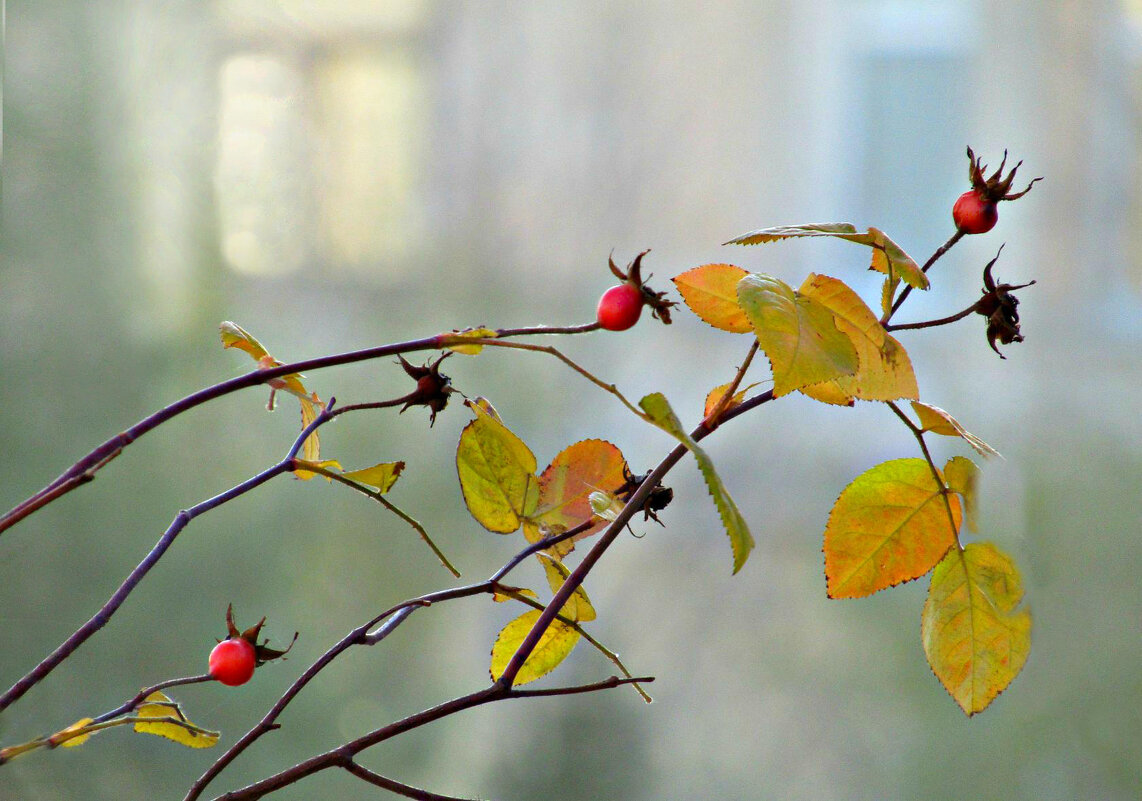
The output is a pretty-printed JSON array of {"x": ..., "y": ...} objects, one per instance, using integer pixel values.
[
  {"x": 578, "y": 606},
  {"x": 975, "y": 636},
  {"x": 711, "y": 293},
  {"x": 890, "y": 525},
  {"x": 566, "y": 485},
  {"x": 168, "y": 721},
  {"x": 497, "y": 475},
  {"x": 962, "y": 476},
  {"x": 554, "y": 646},
  {"x": 936, "y": 420},
  {"x": 798, "y": 334},
  {"x": 885, "y": 371},
  {"x": 381, "y": 476}
]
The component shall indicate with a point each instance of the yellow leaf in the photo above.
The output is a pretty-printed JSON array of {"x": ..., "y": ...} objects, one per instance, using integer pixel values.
[
  {"x": 975, "y": 637},
  {"x": 715, "y": 395},
  {"x": 565, "y": 488},
  {"x": 382, "y": 476},
  {"x": 554, "y": 646},
  {"x": 890, "y": 525},
  {"x": 885, "y": 371},
  {"x": 798, "y": 334},
  {"x": 711, "y": 293},
  {"x": 455, "y": 340},
  {"x": 497, "y": 475},
  {"x": 311, "y": 448},
  {"x": 578, "y": 606},
  {"x": 962, "y": 476},
  {"x": 500, "y": 595},
  {"x": 936, "y": 420},
  {"x": 234, "y": 336},
  {"x": 68, "y": 738},
  {"x": 168, "y": 721},
  {"x": 741, "y": 541}
]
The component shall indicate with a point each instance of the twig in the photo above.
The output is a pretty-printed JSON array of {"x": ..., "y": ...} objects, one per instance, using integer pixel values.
[
  {"x": 181, "y": 520},
  {"x": 940, "y": 251},
  {"x": 377, "y": 780}
]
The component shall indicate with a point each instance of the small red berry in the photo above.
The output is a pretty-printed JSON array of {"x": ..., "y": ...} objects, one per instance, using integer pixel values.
[
  {"x": 232, "y": 661},
  {"x": 973, "y": 214},
  {"x": 620, "y": 307}
]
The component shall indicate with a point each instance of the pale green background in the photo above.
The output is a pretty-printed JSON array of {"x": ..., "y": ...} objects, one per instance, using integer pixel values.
[{"x": 341, "y": 174}]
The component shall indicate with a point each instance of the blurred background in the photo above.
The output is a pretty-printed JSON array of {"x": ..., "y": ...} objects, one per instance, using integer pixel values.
[{"x": 334, "y": 175}]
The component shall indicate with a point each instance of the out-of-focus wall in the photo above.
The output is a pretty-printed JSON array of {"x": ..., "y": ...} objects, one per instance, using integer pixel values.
[{"x": 336, "y": 175}]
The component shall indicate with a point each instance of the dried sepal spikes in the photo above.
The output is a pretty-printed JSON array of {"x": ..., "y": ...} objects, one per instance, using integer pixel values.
[
  {"x": 432, "y": 386},
  {"x": 998, "y": 305},
  {"x": 658, "y": 499},
  {"x": 659, "y": 306}
]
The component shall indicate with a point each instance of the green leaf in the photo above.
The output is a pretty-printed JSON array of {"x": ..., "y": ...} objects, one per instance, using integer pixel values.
[
  {"x": 497, "y": 475},
  {"x": 554, "y": 646},
  {"x": 578, "y": 606},
  {"x": 798, "y": 334},
  {"x": 890, "y": 525},
  {"x": 887, "y": 257},
  {"x": 962, "y": 476},
  {"x": 741, "y": 541},
  {"x": 975, "y": 636}
]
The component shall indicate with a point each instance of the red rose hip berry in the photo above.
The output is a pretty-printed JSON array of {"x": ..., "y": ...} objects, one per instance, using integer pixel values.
[
  {"x": 620, "y": 307},
  {"x": 974, "y": 214},
  {"x": 232, "y": 661}
]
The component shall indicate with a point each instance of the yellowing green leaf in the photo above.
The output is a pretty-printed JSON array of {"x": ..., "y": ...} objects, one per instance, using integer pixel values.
[
  {"x": 763, "y": 235},
  {"x": 711, "y": 293},
  {"x": 71, "y": 736},
  {"x": 936, "y": 420},
  {"x": 741, "y": 541},
  {"x": 497, "y": 475},
  {"x": 455, "y": 340},
  {"x": 975, "y": 636},
  {"x": 381, "y": 476},
  {"x": 565, "y": 488},
  {"x": 890, "y": 525},
  {"x": 578, "y": 607},
  {"x": 798, "y": 334},
  {"x": 554, "y": 646},
  {"x": 168, "y": 721},
  {"x": 887, "y": 256},
  {"x": 962, "y": 476},
  {"x": 885, "y": 371}
]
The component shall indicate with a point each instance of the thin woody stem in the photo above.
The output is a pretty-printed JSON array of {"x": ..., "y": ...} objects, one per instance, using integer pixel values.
[{"x": 940, "y": 251}]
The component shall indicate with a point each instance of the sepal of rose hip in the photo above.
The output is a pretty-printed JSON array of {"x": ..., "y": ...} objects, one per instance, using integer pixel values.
[
  {"x": 262, "y": 652},
  {"x": 997, "y": 186},
  {"x": 432, "y": 386},
  {"x": 999, "y": 306},
  {"x": 659, "y": 306}
]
